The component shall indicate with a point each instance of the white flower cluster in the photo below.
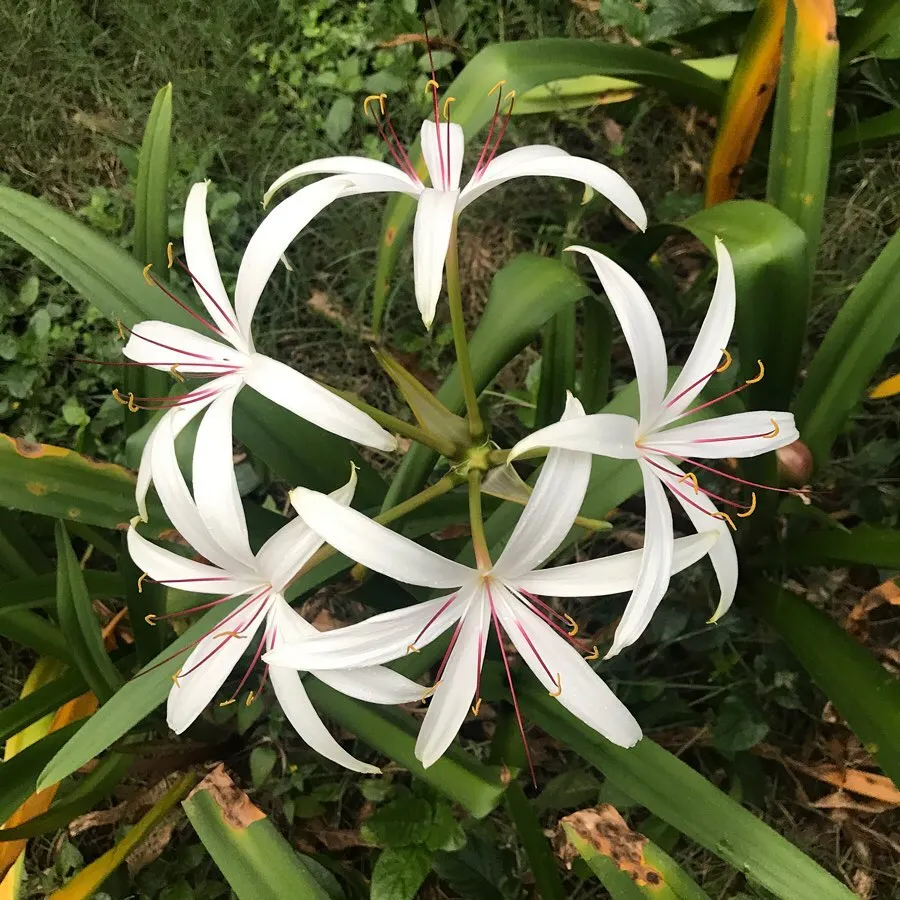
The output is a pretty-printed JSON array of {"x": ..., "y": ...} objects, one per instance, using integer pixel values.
[{"x": 504, "y": 594}]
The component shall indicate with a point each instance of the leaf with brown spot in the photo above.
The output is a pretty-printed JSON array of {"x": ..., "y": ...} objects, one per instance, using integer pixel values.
[{"x": 237, "y": 809}]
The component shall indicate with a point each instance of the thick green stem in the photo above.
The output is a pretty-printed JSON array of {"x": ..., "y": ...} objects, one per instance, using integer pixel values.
[
  {"x": 454, "y": 294},
  {"x": 479, "y": 541}
]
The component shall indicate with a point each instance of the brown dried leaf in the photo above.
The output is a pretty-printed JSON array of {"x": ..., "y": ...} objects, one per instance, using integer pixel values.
[
  {"x": 867, "y": 784},
  {"x": 129, "y": 811},
  {"x": 152, "y": 846},
  {"x": 857, "y": 622},
  {"x": 608, "y": 833},
  {"x": 842, "y": 800},
  {"x": 238, "y": 810}
]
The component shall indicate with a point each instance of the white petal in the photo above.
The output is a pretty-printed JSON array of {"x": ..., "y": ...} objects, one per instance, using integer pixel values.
[
  {"x": 201, "y": 261},
  {"x": 713, "y": 338},
  {"x": 161, "y": 346},
  {"x": 557, "y": 664},
  {"x": 379, "y": 639},
  {"x": 214, "y": 657},
  {"x": 640, "y": 327},
  {"x": 375, "y": 546},
  {"x": 601, "y": 178},
  {"x": 656, "y": 565},
  {"x": 431, "y": 238},
  {"x": 344, "y": 165},
  {"x": 603, "y": 434},
  {"x": 552, "y": 507},
  {"x": 177, "y": 571},
  {"x": 179, "y": 504},
  {"x": 283, "y": 554},
  {"x": 372, "y": 684},
  {"x": 215, "y": 484},
  {"x": 309, "y": 400},
  {"x": 738, "y": 435},
  {"x": 301, "y": 714},
  {"x": 722, "y": 553},
  {"x": 614, "y": 574},
  {"x": 443, "y": 147},
  {"x": 454, "y": 695}
]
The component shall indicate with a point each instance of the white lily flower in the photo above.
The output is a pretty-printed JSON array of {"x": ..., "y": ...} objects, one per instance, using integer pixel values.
[
  {"x": 659, "y": 443},
  {"x": 439, "y": 204},
  {"x": 261, "y": 580},
  {"x": 229, "y": 357},
  {"x": 504, "y": 596}
]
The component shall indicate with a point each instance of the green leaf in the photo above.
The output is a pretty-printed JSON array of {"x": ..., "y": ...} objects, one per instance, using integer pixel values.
[
  {"x": 557, "y": 366},
  {"x": 738, "y": 726},
  {"x": 40, "y": 590},
  {"x": 524, "y": 295},
  {"x": 143, "y": 598},
  {"x": 860, "y": 688},
  {"x": 680, "y": 796},
  {"x": 525, "y": 65},
  {"x": 31, "y": 630},
  {"x": 878, "y": 19},
  {"x": 20, "y": 554},
  {"x": 536, "y": 846},
  {"x": 45, "y": 700},
  {"x": 864, "y": 545},
  {"x": 851, "y": 353},
  {"x": 400, "y": 822},
  {"x": 571, "y": 789},
  {"x": 800, "y": 152},
  {"x": 872, "y": 132},
  {"x": 53, "y": 481},
  {"x": 262, "y": 762},
  {"x": 773, "y": 286},
  {"x": 79, "y": 622},
  {"x": 151, "y": 233},
  {"x": 596, "y": 358},
  {"x": 398, "y": 874},
  {"x": 258, "y": 863}
]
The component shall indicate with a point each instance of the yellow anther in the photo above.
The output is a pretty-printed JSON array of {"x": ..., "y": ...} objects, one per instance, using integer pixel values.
[
  {"x": 433, "y": 85},
  {"x": 429, "y": 691},
  {"x": 476, "y": 707},
  {"x": 173, "y": 371},
  {"x": 775, "y": 429},
  {"x": 147, "y": 277},
  {"x": 228, "y": 702},
  {"x": 132, "y": 406},
  {"x": 250, "y": 698},
  {"x": 371, "y": 99},
  {"x": 749, "y": 512},
  {"x": 509, "y": 98},
  {"x": 230, "y": 634},
  {"x": 446, "y": 109},
  {"x": 692, "y": 478},
  {"x": 594, "y": 654},
  {"x": 175, "y": 678},
  {"x": 170, "y": 254},
  {"x": 412, "y": 648},
  {"x": 572, "y": 624},
  {"x": 140, "y": 584},
  {"x": 497, "y": 86},
  {"x": 727, "y": 362},
  {"x": 150, "y": 619},
  {"x": 759, "y": 376},
  {"x": 121, "y": 328},
  {"x": 726, "y": 517},
  {"x": 118, "y": 397},
  {"x": 558, "y": 690}
]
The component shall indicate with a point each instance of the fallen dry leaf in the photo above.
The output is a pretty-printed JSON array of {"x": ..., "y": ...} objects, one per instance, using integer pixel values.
[
  {"x": 857, "y": 621},
  {"x": 238, "y": 810},
  {"x": 867, "y": 784},
  {"x": 608, "y": 833},
  {"x": 842, "y": 800},
  {"x": 129, "y": 811},
  {"x": 152, "y": 846}
]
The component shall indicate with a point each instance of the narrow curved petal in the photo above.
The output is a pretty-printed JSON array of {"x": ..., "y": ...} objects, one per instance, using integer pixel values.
[
  {"x": 713, "y": 338},
  {"x": 510, "y": 161},
  {"x": 380, "y": 639},
  {"x": 552, "y": 507},
  {"x": 640, "y": 327},
  {"x": 201, "y": 261},
  {"x": 372, "y": 684},
  {"x": 601, "y": 178},
  {"x": 656, "y": 565},
  {"x": 456, "y": 690},
  {"x": 177, "y": 571},
  {"x": 614, "y": 574},
  {"x": 302, "y": 715},
  {"x": 215, "y": 486},
  {"x": 170, "y": 425},
  {"x": 603, "y": 434},
  {"x": 209, "y": 665},
  {"x": 375, "y": 546},
  {"x": 722, "y": 553},
  {"x": 309, "y": 400},
  {"x": 344, "y": 165},
  {"x": 180, "y": 506},
  {"x": 283, "y": 554},
  {"x": 431, "y": 238},
  {"x": 160, "y": 345},
  {"x": 561, "y": 669},
  {"x": 443, "y": 147},
  {"x": 739, "y": 435}
]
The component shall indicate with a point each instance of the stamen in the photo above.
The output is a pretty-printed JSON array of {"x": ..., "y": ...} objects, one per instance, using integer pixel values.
[
  {"x": 573, "y": 624},
  {"x": 686, "y": 499},
  {"x": 690, "y": 476},
  {"x": 140, "y": 582},
  {"x": 449, "y": 649},
  {"x": 228, "y": 702},
  {"x": 578, "y": 644},
  {"x": 430, "y": 691},
  {"x": 173, "y": 371},
  {"x": 151, "y": 280},
  {"x": 751, "y": 510},
  {"x": 736, "y": 437},
  {"x": 150, "y": 619},
  {"x": 371, "y": 98},
  {"x": 727, "y": 362},
  {"x": 759, "y": 377},
  {"x": 250, "y": 698},
  {"x": 431, "y": 85},
  {"x": 223, "y": 312},
  {"x": 412, "y": 648},
  {"x": 511, "y": 96},
  {"x": 476, "y": 707},
  {"x": 230, "y": 634},
  {"x": 147, "y": 277},
  {"x": 209, "y": 360},
  {"x": 776, "y": 430},
  {"x": 497, "y": 86},
  {"x": 175, "y": 678},
  {"x": 594, "y": 654},
  {"x": 558, "y": 690},
  {"x": 431, "y": 622},
  {"x": 697, "y": 488},
  {"x": 534, "y": 649},
  {"x": 435, "y": 87},
  {"x": 446, "y": 109},
  {"x": 170, "y": 255},
  {"x": 121, "y": 328},
  {"x": 724, "y": 515},
  {"x": 479, "y": 166}
]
